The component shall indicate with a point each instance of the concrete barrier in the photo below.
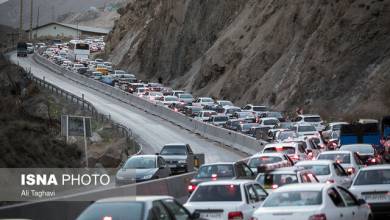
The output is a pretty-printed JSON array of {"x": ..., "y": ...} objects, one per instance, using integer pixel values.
[
  {"x": 59, "y": 209},
  {"x": 229, "y": 138}
]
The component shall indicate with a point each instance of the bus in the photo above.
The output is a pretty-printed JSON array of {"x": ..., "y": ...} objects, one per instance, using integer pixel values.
[{"x": 78, "y": 51}]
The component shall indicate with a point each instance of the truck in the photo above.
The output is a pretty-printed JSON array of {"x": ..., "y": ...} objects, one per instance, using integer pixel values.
[
  {"x": 359, "y": 133},
  {"x": 21, "y": 49},
  {"x": 180, "y": 157}
]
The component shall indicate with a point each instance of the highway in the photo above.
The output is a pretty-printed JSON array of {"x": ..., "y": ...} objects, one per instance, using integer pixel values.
[{"x": 151, "y": 131}]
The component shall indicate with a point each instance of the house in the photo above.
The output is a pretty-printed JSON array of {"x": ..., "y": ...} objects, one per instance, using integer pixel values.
[{"x": 56, "y": 29}]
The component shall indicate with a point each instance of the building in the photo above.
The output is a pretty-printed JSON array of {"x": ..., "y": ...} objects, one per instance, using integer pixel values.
[{"x": 56, "y": 29}]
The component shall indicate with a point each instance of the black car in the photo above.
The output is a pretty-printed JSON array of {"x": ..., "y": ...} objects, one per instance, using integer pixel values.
[
  {"x": 141, "y": 168},
  {"x": 221, "y": 171}
]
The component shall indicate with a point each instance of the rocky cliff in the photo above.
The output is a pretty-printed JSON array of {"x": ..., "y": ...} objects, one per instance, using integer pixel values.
[{"x": 329, "y": 56}]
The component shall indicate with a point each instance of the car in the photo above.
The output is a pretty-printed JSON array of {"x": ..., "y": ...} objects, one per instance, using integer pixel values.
[
  {"x": 227, "y": 199},
  {"x": 192, "y": 111},
  {"x": 176, "y": 155},
  {"x": 285, "y": 134},
  {"x": 269, "y": 122},
  {"x": 152, "y": 96},
  {"x": 294, "y": 150},
  {"x": 333, "y": 127},
  {"x": 350, "y": 161},
  {"x": 204, "y": 115},
  {"x": 366, "y": 152},
  {"x": 185, "y": 98},
  {"x": 247, "y": 116},
  {"x": 311, "y": 148},
  {"x": 30, "y": 48},
  {"x": 275, "y": 178},
  {"x": 303, "y": 129},
  {"x": 137, "y": 208},
  {"x": 233, "y": 124},
  {"x": 220, "y": 171},
  {"x": 230, "y": 110},
  {"x": 373, "y": 185},
  {"x": 316, "y": 201},
  {"x": 327, "y": 171},
  {"x": 245, "y": 128},
  {"x": 314, "y": 120},
  {"x": 133, "y": 87},
  {"x": 260, "y": 159},
  {"x": 224, "y": 103},
  {"x": 122, "y": 74},
  {"x": 202, "y": 101},
  {"x": 218, "y": 120},
  {"x": 141, "y": 168},
  {"x": 270, "y": 114},
  {"x": 257, "y": 109},
  {"x": 156, "y": 87},
  {"x": 168, "y": 100}
]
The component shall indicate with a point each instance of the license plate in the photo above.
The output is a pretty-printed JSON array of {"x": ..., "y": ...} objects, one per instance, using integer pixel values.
[
  {"x": 211, "y": 215},
  {"x": 377, "y": 197}
]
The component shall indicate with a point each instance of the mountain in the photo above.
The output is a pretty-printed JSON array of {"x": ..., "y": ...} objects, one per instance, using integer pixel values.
[{"x": 327, "y": 56}]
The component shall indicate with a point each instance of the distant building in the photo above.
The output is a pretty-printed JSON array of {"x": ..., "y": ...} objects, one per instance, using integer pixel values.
[{"x": 56, "y": 29}]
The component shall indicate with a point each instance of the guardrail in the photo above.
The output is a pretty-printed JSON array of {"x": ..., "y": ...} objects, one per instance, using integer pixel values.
[
  {"x": 59, "y": 209},
  {"x": 86, "y": 105},
  {"x": 238, "y": 141}
]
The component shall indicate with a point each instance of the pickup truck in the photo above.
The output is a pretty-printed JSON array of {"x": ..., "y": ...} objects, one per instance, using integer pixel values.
[{"x": 181, "y": 158}]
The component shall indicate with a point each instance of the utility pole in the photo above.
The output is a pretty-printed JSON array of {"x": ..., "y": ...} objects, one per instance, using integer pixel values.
[
  {"x": 21, "y": 20},
  {"x": 36, "y": 29},
  {"x": 31, "y": 19}
]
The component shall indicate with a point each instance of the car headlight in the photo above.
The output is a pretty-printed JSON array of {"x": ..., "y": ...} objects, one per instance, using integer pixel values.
[
  {"x": 182, "y": 161},
  {"x": 147, "y": 177}
]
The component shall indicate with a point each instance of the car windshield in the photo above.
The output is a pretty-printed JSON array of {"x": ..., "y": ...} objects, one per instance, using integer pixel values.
[
  {"x": 185, "y": 96},
  {"x": 275, "y": 114},
  {"x": 337, "y": 157},
  {"x": 257, "y": 161},
  {"x": 226, "y": 103},
  {"x": 293, "y": 198},
  {"x": 217, "y": 193},
  {"x": 318, "y": 170},
  {"x": 171, "y": 98},
  {"x": 232, "y": 110},
  {"x": 119, "y": 72},
  {"x": 271, "y": 122},
  {"x": 259, "y": 108},
  {"x": 174, "y": 150},
  {"x": 207, "y": 100},
  {"x": 114, "y": 211},
  {"x": 273, "y": 181},
  {"x": 245, "y": 114},
  {"x": 373, "y": 177},
  {"x": 215, "y": 171},
  {"x": 287, "y": 134},
  {"x": 140, "y": 163},
  {"x": 359, "y": 149},
  {"x": 249, "y": 126},
  {"x": 209, "y": 114},
  {"x": 155, "y": 94},
  {"x": 221, "y": 119},
  {"x": 337, "y": 127},
  {"x": 306, "y": 128},
  {"x": 312, "y": 119},
  {"x": 281, "y": 149}
]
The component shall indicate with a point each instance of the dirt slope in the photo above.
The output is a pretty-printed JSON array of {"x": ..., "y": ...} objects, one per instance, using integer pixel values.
[{"x": 329, "y": 56}]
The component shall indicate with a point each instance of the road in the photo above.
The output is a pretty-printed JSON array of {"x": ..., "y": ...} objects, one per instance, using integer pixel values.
[{"x": 151, "y": 131}]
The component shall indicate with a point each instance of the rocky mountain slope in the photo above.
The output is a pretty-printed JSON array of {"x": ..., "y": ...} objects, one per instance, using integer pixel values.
[{"x": 329, "y": 56}]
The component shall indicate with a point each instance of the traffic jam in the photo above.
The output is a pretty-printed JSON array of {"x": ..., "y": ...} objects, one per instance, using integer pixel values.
[{"x": 309, "y": 169}]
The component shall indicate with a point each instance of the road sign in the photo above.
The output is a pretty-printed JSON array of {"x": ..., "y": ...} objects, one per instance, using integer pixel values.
[{"x": 74, "y": 126}]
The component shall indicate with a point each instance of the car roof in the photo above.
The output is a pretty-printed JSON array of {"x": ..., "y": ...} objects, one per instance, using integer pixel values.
[
  {"x": 356, "y": 145},
  {"x": 220, "y": 163},
  {"x": 145, "y": 156},
  {"x": 376, "y": 167},
  {"x": 134, "y": 198},
  {"x": 338, "y": 123},
  {"x": 288, "y": 170},
  {"x": 268, "y": 154},
  {"x": 269, "y": 118},
  {"x": 309, "y": 115},
  {"x": 317, "y": 162},
  {"x": 284, "y": 144},
  {"x": 337, "y": 152},
  {"x": 226, "y": 182},
  {"x": 307, "y": 187},
  {"x": 175, "y": 144}
]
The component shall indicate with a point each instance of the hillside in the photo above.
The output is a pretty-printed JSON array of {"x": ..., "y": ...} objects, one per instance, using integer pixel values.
[{"x": 328, "y": 56}]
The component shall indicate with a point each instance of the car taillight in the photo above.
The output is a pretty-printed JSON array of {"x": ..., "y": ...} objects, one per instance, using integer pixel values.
[
  {"x": 373, "y": 160},
  {"x": 351, "y": 170},
  {"x": 274, "y": 186},
  {"x": 191, "y": 188},
  {"x": 107, "y": 218},
  {"x": 214, "y": 177},
  {"x": 330, "y": 181},
  {"x": 295, "y": 157},
  {"x": 235, "y": 216},
  {"x": 318, "y": 217}
]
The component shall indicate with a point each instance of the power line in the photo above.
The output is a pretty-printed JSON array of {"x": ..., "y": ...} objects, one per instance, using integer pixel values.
[{"x": 21, "y": 20}]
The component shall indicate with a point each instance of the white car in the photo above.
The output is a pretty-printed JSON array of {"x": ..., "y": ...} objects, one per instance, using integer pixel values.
[
  {"x": 350, "y": 161},
  {"x": 366, "y": 152},
  {"x": 152, "y": 96},
  {"x": 203, "y": 101},
  {"x": 269, "y": 122},
  {"x": 170, "y": 99},
  {"x": 230, "y": 110},
  {"x": 76, "y": 67},
  {"x": 317, "y": 201},
  {"x": 224, "y": 103},
  {"x": 314, "y": 120},
  {"x": 268, "y": 158},
  {"x": 258, "y": 109},
  {"x": 296, "y": 151},
  {"x": 205, "y": 115},
  {"x": 227, "y": 199},
  {"x": 333, "y": 127},
  {"x": 185, "y": 98},
  {"x": 373, "y": 185},
  {"x": 327, "y": 171},
  {"x": 303, "y": 129},
  {"x": 140, "y": 91}
]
